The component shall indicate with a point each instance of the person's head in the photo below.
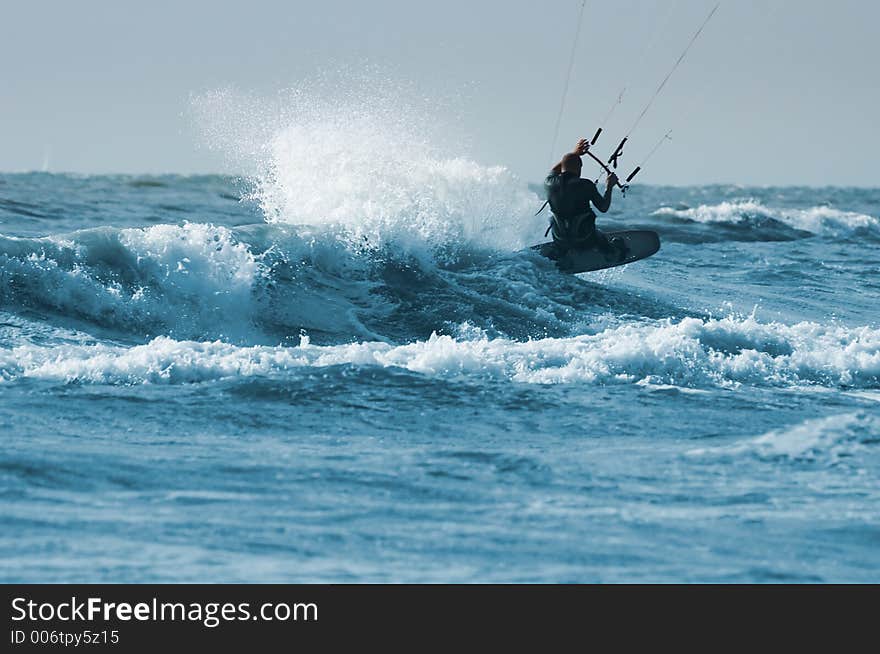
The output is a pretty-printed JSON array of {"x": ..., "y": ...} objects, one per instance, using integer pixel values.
[{"x": 572, "y": 163}]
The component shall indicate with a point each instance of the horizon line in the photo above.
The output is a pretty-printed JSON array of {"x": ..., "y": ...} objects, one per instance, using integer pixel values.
[{"x": 243, "y": 176}]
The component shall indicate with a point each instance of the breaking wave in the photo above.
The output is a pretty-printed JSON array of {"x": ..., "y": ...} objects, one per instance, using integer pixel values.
[
  {"x": 264, "y": 284},
  {"x": 753, "y": 220},
  {"x": 189, "y": 279},
  {"x": 691, "y": 353}
]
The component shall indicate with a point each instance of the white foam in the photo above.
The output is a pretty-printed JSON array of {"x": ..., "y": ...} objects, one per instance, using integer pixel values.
[
  {"x": 689, "y": 353},
  {"x": 818, "y": 220},
  {"x": 188, "y": 279},
  {"x": 873, "y": 396},
  {"x": 201, "y": 258},
  {"x": 830, "y": 439}
]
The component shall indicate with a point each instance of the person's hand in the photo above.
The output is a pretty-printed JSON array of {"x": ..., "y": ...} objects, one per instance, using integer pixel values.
[
  {"x": 611, "y": 181},
  {"x": 582, "y": 146}
]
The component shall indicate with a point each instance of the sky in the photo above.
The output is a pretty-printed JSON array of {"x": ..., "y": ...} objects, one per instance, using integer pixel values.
[{"x": 775, "y": 92}]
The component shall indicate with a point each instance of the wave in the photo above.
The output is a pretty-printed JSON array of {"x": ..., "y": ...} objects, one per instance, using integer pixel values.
[
  {"x": 264, "y": 283},
  {"x": 831, "y": 440},
  {"x": 750, "y": 220},
  {"x": 190, "y": 279},
  {"x": 690, "y": 353}
]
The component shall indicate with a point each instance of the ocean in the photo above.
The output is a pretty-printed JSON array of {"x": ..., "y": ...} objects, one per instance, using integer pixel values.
[{"x": 363, "y": 377}]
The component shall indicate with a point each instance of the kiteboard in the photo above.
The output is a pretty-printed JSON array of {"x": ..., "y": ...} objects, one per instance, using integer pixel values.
[{"x": 641, "y": 245}]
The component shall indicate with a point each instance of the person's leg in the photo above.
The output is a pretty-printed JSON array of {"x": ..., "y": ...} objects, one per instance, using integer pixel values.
[{"x": 556, "y": 249}]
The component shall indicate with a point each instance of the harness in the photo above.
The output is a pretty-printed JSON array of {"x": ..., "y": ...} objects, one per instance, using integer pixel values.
[
  {"x": 570, "y": 231},
  {"x": 572, "y": 220}
]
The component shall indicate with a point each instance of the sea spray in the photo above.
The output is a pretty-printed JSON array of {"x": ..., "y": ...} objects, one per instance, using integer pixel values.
[{"x": 363, "y": 159}]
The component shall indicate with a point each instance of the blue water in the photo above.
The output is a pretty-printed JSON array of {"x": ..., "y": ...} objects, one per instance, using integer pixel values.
[{"x": 362, "y": 378}]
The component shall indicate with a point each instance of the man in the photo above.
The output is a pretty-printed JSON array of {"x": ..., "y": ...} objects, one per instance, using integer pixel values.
[{"x": 573, "y": 222}]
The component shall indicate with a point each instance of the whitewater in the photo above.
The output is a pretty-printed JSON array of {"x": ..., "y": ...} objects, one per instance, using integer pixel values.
[{"x": 358, "y": 374}]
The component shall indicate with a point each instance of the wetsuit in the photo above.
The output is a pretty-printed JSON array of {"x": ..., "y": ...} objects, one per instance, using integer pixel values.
[{"x": 573, "y": 223}]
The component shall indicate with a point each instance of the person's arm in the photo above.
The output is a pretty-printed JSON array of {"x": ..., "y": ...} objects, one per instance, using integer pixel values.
[
  {"x": 580, "y": 149},
  {"x": 603, "y": 202}
]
